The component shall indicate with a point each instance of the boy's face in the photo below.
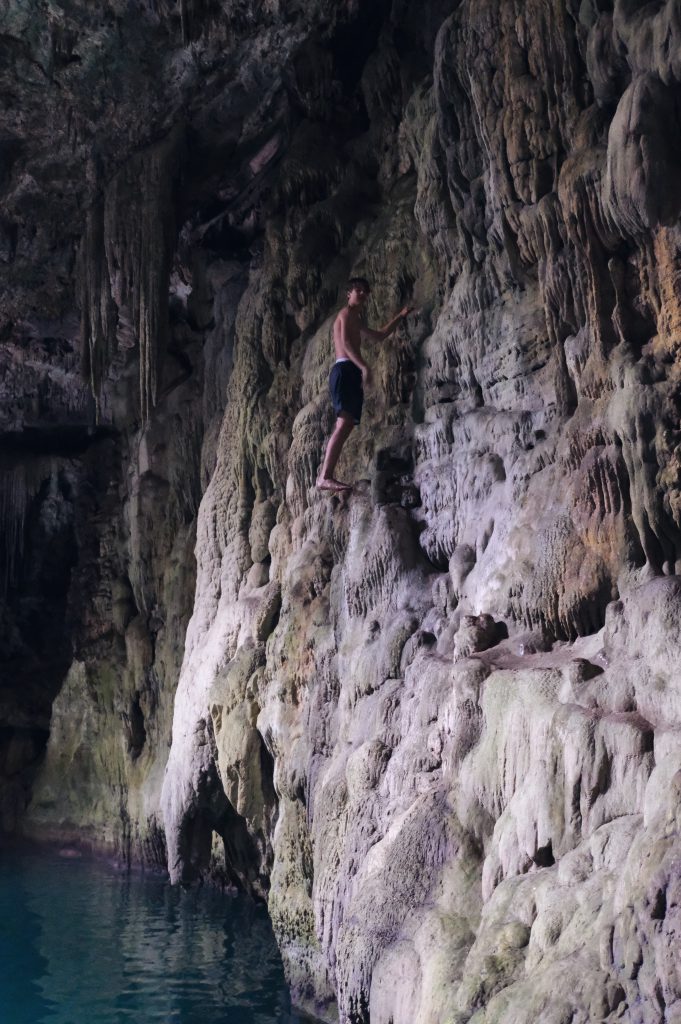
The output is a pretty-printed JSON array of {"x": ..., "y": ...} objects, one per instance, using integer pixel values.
[{"x": 358, "y": 295}]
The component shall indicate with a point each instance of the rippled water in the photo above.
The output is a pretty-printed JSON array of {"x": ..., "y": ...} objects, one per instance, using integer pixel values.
[{"x": 81, "y": 944}]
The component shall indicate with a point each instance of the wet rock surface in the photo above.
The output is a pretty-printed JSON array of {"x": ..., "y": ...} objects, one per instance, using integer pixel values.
[{"x": 434, "y": 722}]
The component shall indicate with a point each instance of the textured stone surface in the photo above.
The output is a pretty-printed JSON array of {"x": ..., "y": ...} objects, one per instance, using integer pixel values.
[{"x": 434, "y": 723}]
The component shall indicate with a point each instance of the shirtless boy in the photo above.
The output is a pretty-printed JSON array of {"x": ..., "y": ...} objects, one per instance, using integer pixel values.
[{"x": 350, "y": 375}]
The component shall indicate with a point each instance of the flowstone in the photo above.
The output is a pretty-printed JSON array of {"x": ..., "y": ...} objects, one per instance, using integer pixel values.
[{"x": 433, "y": 723}]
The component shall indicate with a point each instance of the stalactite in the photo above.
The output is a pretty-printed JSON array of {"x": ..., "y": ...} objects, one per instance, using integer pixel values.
[
  {"x": 98, "y": 311},
  {"x": 126, "y": 257}
]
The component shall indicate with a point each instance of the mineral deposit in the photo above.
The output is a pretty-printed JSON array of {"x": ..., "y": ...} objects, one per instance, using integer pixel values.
[{"x": 434, "y": 723}]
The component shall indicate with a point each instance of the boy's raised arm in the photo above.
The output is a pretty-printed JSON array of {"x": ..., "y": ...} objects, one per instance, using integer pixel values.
[{"x": 384, "y": 332}]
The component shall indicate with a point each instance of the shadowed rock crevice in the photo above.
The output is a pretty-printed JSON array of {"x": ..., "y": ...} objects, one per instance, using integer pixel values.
[
  {"x": 214, "y": 814},
  {"x": 137, "y": 734}
]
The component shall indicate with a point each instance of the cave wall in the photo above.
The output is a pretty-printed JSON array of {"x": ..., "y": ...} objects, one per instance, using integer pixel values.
[{"x": 434, "y": 723}]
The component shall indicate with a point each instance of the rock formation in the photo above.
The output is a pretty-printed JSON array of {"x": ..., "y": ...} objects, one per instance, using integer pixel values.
[{"x": 436, "y": 723}]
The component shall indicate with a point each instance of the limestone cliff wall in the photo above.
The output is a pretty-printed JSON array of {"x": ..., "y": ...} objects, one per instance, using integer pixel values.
[{"x": 435, "y": 723}]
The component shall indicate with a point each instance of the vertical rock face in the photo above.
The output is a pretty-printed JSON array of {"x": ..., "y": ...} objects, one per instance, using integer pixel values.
[{"x": 434, "y": 723}]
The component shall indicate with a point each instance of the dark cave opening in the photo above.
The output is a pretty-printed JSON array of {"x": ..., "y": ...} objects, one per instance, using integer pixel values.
[
  {"x": 35, "y": 636},
  {"x": 354, "y": 40}
]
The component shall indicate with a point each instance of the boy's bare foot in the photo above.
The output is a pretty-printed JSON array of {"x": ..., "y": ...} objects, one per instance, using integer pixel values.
[{"x": 331, "y": 484}]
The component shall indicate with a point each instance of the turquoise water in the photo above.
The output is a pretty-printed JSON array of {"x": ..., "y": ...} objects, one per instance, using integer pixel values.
[{"x": 82, "y": 944}]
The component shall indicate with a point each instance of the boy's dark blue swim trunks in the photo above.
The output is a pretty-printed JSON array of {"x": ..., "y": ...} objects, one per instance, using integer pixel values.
[{"x": 345, "y": 385}]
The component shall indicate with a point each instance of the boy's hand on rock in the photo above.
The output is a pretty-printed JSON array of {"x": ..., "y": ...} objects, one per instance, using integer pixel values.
[
  {"x": 405, "y": 311},
  {"x": 367, "y": 378}
]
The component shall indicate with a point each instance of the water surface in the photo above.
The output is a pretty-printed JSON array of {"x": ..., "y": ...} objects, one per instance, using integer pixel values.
[{"x": 83, "y": 944}]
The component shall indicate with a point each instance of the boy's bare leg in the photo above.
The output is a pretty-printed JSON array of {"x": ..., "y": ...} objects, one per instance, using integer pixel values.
[{"x": 326, "y": 480}]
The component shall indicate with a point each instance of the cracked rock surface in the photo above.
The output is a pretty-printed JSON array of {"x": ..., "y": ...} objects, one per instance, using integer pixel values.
[{"x": 435, "y": 723}]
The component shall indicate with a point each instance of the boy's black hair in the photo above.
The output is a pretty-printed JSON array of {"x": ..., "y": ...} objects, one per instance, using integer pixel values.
[{"x": 354, "y": 281}]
